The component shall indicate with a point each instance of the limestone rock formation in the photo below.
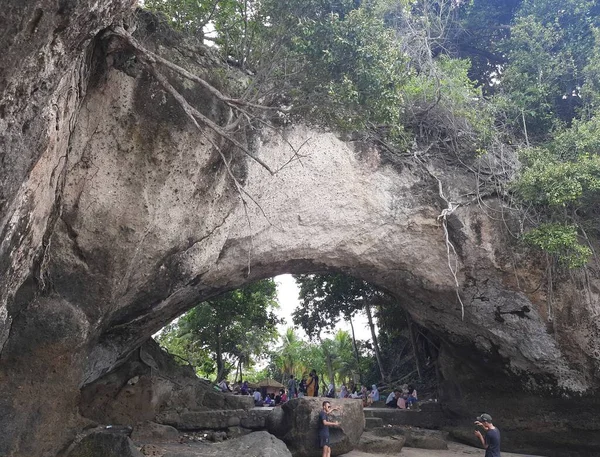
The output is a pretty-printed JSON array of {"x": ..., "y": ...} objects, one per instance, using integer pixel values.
[
  {"x": 296, "y": 423},
  {"x": 104, "y": 443},
  {"x": 151, "y": 432},
  {"x": 416, "y": 437},
  {"x": 151, "y": 386},
  {"x": 375, "y": 444},
  {"x": 117, "y": 215},
  {"x": 257, "y": 444}
]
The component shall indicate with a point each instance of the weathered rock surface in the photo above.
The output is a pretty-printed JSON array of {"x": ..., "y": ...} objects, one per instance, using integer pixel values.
[
  {"x": 196, "y": 420},
  {"x": 257, "y": 444},
  {"x": 375, "y": 444},
  {"x": 151, "y": 386},
  {"x": 151, "y": 432},
  {"x": 105, "y": 444},
  {"x": 416, "y": 437},
  {"x": 116, "y": 216},
  {"x": 296, "y": 423}
]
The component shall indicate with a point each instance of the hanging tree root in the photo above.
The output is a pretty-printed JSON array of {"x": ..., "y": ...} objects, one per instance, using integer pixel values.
[
  {"x": 443, "y": 219},
  {"x": 150, "y": 61}
]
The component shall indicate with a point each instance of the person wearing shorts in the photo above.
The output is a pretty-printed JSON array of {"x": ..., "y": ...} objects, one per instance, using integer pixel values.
[{"x": 324, "y": 424}]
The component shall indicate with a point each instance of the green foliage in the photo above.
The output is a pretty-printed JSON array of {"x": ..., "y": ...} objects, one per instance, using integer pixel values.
[
  {"x": 327, "y": 298},
  {"x": 549, "y": 47},
  {"x": 560, "y": 241},
  {"x": 549, "y": 180},
  {"x": 237, "y": 326},
  {"x": 298, "y": 357},
  {"x": 353, "y": 69},
  {"x": 186, "y": 15}
]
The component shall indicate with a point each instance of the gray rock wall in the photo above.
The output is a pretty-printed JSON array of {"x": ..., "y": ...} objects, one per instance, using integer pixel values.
[{"x": 117, "y": 216}]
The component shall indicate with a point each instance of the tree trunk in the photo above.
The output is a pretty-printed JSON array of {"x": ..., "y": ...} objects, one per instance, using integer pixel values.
[
  {"x": 355, "y": 349},
  {"x": 413, "y": 343},
  {"x": 219, "y": 354},
  {"x": 375, "y": 343},
  {"x": 328, "y": 363}
]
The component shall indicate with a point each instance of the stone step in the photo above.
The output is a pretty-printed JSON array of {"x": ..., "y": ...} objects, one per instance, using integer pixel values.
[
  {"x": 373, "y": 422},
  {"x": 416, "y": 418},
  {"x": 203, "y": 420}
]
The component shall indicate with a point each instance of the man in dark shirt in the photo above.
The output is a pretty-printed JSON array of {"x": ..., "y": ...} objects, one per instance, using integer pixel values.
[
  {"x": 491, "y": 442},
  {"x": 324, "y": 425}
]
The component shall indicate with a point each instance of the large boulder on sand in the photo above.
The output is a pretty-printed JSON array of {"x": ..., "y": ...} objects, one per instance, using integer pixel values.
[
  {"x": 297, "y": 425},
  {"x": 373, "y": 444},
  {"x": 257, "y": 444}
]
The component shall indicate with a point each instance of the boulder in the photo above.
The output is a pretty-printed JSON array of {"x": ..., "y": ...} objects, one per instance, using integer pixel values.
[
  {"x": 104, "y": 443},
  {"x": 257, "y": 444},
  {"x": 200, "y": 420},
  {"x": 151, "y": 432},
  {"x": 415, "y": 437},
  {"x": 256, "y": 419},
  {"x": 374, "y": 444},
  {"x": 296, "y": 423},
  {"x": 373, "y": 422}
]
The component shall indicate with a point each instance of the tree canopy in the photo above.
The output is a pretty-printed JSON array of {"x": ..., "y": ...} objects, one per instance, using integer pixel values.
[
  {"x": 460, "y": 79},
  {"x": 215, "y": 336}
]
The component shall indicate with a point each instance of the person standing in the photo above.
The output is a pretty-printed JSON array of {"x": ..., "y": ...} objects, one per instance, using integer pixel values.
[
  {"x": 491, "y": 441},
  {"x": 292, "y": 390},
  {"x": 324, "y": 424},
  {"x": 310, "y": 384}
]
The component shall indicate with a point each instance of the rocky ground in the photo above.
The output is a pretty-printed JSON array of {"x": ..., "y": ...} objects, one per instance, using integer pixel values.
[{"x": 454, "y": 450}]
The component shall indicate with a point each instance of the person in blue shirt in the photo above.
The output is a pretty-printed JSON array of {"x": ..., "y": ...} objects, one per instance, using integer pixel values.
[
  {"x": 491, "y": 441},
  {"x": 324, "y": 424}
]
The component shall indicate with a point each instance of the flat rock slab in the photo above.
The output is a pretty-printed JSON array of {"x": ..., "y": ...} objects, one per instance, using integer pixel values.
[
  {"x": 373, "y": 422},
  {"x": 374, "y": 444},
  {"x": 256, "y": 418},
  {"x": 423, "y": 418},
  {"x": 257, "y": 444},
  {"x": 416, "y": 437},
  {"x": 105, "y": 444},
  {"x": 203, "y": 420},
  {"x": 151, "y": 432}
]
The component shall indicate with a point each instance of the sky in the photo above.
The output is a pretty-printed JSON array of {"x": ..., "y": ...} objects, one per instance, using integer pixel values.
[{"x": 287, "y": 296}]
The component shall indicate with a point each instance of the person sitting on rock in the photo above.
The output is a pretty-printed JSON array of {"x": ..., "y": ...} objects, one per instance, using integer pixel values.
[
  {"x": 331, "y": 391},
  {"x": 283, "y": 395},
  {"x": 343, "y": 392},
  {"x": 401, "y": 401},
  {"x": 223, "y": 386},
  {"x": 244, "y": 388},
  {"x": 364, "y": 395},
  {"x": 324, "y": 424},
  {"x": 257, "y": 398},
  {"x": 411, "y": 399},
  {"x": 392, "y": 399},
  {"x": 373, "y": 395}
]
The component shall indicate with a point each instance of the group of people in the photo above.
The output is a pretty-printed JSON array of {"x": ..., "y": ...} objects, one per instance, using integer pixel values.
[
  {"x": 367, "y": 397},
  {"x": 306, "y": 387},
  {"x": 270, "y": 399},
  {"x": 402, "y": 398}
]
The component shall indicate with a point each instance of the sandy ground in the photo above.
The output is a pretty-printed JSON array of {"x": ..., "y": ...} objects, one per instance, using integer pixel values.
[{"x": 454, "y": 450}]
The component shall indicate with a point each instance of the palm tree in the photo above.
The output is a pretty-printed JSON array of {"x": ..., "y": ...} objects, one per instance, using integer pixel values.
[{"x": 288, "y": 354}]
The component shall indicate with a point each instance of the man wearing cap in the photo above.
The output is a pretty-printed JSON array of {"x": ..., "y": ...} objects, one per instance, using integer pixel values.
[{"x": 491, "y": 442}]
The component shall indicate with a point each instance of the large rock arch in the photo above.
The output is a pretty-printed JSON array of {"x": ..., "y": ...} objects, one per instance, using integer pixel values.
[{"x": 117, "y": 216}]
